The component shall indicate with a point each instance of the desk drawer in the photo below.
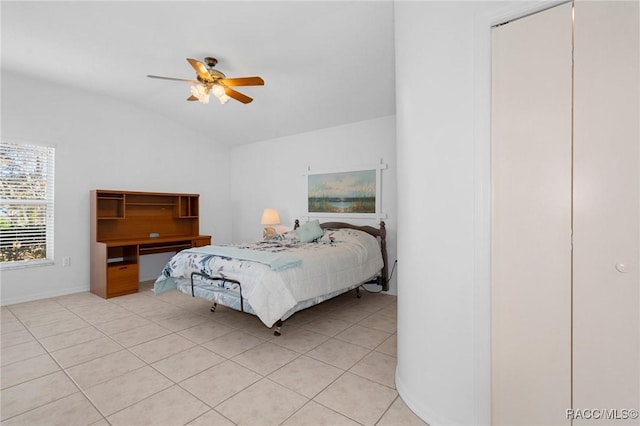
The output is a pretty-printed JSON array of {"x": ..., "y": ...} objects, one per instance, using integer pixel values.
[
  {"x": 199, "y": 242},
  {"x": 122, "y": 279}
]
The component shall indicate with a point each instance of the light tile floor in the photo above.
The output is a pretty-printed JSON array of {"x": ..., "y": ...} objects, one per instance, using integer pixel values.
[{"x": 167, "y": 360}]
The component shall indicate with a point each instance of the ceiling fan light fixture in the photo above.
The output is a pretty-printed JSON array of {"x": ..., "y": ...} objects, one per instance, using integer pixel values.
[
  {"x": 218, "y": 90},
  {"x": 220, "y": 93},
  {"x": 201, "y": 93},
  {"x": 211, "y": 80}
]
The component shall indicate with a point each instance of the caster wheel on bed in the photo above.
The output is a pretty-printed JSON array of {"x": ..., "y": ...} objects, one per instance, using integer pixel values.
[
  {"x": 277, "y": 328},
  {"x": 213, "y": 308}
]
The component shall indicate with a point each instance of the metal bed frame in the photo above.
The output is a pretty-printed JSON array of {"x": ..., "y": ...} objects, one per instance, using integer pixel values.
[{"x": 381, "y": 280}]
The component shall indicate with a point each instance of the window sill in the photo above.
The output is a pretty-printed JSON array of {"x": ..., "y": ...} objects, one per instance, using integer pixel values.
[{"x": 26, "y": 264}]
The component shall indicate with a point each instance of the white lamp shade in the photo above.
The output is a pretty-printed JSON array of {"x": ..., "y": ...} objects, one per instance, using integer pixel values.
[
  {"x": 270, "y": 217},
  {"x": 218, "y": 90},
  {"x": 201, "y": 93}
]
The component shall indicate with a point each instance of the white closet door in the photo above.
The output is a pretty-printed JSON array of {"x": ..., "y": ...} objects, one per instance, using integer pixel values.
[
  {"x": 531, "y": 226},
  {"x": 606, "y": 314}
]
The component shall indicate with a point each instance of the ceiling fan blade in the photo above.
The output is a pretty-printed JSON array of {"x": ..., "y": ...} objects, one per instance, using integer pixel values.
[
  {"x": 174, "y": 79},
  {"x": 243, "y": 81},
  {"x": 237, "y": 95},
  {"x": 201, "y": 69},
  {"x": 192, "y": 98}
]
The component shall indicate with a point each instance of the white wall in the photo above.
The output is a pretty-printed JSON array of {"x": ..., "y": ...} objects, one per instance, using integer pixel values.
[
  {"x": 443, "y": 134},
  {"x": 102, "y": 143},
  {"x": 271, "y": 174},
  {"x": 439, "y": 345}
]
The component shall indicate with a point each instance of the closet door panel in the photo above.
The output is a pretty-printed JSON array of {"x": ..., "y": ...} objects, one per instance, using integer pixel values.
[
  {"x": 606, "y": 314},
  {"x": 531, "y": 225}
]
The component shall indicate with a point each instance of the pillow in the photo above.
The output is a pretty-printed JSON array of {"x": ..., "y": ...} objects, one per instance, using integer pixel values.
[
  {"x": 310, "y": 231},
  {"x": 344, "y": 234},
  {"x": 287, "y": 236},
  {"x": 328, "y": 237}
]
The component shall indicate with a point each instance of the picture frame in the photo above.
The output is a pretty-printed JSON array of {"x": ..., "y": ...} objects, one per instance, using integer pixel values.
[{"x": 353, "y": 192}]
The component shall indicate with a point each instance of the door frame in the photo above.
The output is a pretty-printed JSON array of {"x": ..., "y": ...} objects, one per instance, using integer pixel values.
[{"x": 483, "y": 23}]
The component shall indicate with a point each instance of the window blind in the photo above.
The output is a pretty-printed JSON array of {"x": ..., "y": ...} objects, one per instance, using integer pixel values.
[{"x": 26, "y": 204}]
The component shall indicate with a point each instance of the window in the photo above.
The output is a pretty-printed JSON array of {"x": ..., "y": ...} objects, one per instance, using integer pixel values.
[{"x": 26, "y": 204}]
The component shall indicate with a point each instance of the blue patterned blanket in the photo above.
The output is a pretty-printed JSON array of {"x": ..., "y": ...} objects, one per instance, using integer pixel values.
[{"x": 277, "y": 261}]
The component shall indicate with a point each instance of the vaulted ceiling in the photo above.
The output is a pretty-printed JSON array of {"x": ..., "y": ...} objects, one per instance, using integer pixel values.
[{"x": 324, "y": 63}]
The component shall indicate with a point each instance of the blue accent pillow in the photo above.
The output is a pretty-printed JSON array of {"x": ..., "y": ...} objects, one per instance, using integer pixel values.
[{"x": 310, "y": 231}]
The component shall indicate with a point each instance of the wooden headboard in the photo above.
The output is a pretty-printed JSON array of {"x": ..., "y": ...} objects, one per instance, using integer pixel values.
[{"x": 380, "y": 233}]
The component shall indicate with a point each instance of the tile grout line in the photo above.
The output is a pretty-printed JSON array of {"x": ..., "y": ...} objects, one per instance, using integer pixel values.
[
  {"x": 225, "y": 358},
  {"x": 65, "y": 373}
]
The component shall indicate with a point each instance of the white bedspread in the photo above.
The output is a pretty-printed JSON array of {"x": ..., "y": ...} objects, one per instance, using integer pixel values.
[{"x": 340, "y": 260}]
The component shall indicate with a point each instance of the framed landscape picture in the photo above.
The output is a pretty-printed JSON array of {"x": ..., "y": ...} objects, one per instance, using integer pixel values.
[{"x": 344, "y": 193}]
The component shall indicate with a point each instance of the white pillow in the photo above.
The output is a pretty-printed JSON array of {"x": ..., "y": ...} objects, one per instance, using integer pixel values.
[
  {"x": 287, "y": 236},
  {"x": 344, "y": 234}
]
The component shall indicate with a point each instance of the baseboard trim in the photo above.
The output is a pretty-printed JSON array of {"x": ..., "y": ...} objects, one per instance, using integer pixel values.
[
  {"x": 44, "y": 295},
  {"x": 418, "y": 407}
]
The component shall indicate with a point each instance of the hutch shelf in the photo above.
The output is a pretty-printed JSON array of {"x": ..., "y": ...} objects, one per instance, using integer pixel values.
[{"x": 126, "y": 225}]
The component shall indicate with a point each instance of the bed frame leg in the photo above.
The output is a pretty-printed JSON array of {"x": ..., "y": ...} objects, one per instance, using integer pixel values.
[
  {"x": 358, "y": 295},
  {"x": 276, "y": 329},
  {"x": 213, "y": 308}
]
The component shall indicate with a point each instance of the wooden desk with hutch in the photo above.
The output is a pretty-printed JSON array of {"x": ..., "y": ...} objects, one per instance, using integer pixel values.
[{"x": 126, "y": 225}]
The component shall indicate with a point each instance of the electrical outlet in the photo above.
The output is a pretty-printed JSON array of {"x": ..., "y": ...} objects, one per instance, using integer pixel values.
[{"x": 66, "y": 261}]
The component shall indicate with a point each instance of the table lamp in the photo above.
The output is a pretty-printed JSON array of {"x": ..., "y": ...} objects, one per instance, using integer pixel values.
[{"x": 270, "y": 217}]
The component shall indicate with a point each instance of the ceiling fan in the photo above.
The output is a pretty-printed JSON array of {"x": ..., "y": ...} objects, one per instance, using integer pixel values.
[{"x": 210, "y": 80}]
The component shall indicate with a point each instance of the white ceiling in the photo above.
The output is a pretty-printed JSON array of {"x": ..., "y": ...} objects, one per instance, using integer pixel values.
[{"x": 324, "y": 63}]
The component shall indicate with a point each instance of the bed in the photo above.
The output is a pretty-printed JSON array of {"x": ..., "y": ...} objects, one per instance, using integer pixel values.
[{"x": 276, "y": 278}]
